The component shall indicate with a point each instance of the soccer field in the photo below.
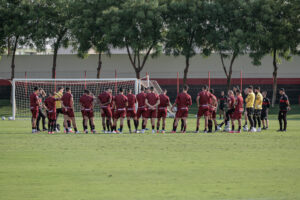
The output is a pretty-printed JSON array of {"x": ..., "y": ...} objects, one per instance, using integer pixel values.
[{"x": 149, "y": 166}]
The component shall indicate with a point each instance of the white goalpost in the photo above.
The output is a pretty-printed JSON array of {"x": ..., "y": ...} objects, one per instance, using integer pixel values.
[{"x": 22, "y": 88}]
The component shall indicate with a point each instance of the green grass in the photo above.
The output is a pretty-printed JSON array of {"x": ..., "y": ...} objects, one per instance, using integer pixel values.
[{"x": 151, "y": 166}]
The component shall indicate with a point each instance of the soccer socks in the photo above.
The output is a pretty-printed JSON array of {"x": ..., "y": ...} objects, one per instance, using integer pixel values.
[
  {"x": 239, "y": 128},
  {"x": 121, "y": 128},
  {"x": 221, "y": 124},
  {"x": 210, "y": 124},
  {"x": 129, "y": 125},
  {"x": 136, "y": 124},
  {"x": 232, "y": 127},
  {"x": 69, "y": 123},
  {"x": 174, "y": 128},
  {"x": 182, "y": 124}
]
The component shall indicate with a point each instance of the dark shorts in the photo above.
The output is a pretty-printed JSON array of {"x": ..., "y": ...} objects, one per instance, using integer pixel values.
[
  {"x": 162, "y": 113},
  {"x": 34, "y": 112},
  {"x": 106, "y": 112},
  {"x": 88, "y": 113},
  {"x": 120, "y": 113},
  {"x": 141, "y": 112},
  {"x": 257, "y": 112},
  {"x": 51, "y": 115},
  {"x": 250, "y": 111},
  {"x": 203, "y": 110},
  {"x": 69, "y": 112},
  {"x": 282, "y": 114},
  {"x": 221, "y": 107},
  {"x": 130, "y": 113},
  {"x": 59, "y": 111},
  {"x": 151, "y": 113},
  {"x": 182, "y": 113},
  {"x": 264, "y": 114},
  {"x": 237, "y": 115}
]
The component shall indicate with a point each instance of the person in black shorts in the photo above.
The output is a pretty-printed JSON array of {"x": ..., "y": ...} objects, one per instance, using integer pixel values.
[
  {"x": 284, "y": 107},
  {"x": 222, "y": 103},
  {"x": 265, "y": 111},
  {"x": 41, "y": 115}
]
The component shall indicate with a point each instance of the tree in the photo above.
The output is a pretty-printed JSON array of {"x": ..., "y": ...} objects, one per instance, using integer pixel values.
[
  {"x": 16, "y": 27},
  {"x": 275, "y": 30},
  {"x": 53, "y": 27},
  {"x": 136, "y": 25},
  {"x": 88, "y": 28},
  {"x": 228, "y": 32},
  {"x": 186, "y": 26}
]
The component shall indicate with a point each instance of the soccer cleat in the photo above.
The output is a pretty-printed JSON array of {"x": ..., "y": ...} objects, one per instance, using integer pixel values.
[
  {"x": 258, "y": 129},
  {"x": 158, "y": 131},
  {"x": 114, "y": 132},
  {"x": 196, "y": 131},
  {"x": 44, "y": 129},
  {"x": 86, "y": 131},
  {"x": 218, "y": 128},
  {"x": 49, "y": 132},
  {"x": 238, "y": 131},
  {"x": 173, "y": 132},
  {"x": 252, "y": 130},
  {"x": 94, "y": 131},
  {"x": 70, "y": 130},
  {"x": 205, "y": 131},
  {"x": 143, "y": 131},
  {"x": 57, "y": 130},
  {"x": 279, "y": 130},
  {"x": 163, "y": 131},
  {"x": 120, "y": 132},
  {"x": 153, "y": 131},
  {"x": 77, "y": 132},
  {"x": 183, "y": 131},
  {"x": 245, "y": 128}
]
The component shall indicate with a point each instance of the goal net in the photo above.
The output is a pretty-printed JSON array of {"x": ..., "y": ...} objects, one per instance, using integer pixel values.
[{"x": 22, "y": 88}]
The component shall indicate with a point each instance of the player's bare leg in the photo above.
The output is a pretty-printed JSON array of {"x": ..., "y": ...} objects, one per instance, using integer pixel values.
[
  {"x": 158, "y": 124},
  {"x": 103, "y": 124},
  {"x": 92, "y": 124},
  {"x": 85, "y": 126},
  {"x": 153, "y": 124},
  {"x": 128, "y": 123},
  {"x": 240, "y": 125},
  {"x": 145, "y": 121},
  {"x": 184, "y": 119},
  {"x": 74, "y": 124},
  {"x": 33, "y": 123},
  {"x": 215, "y": 123},
  {"x": 65, "y": 123},
  {"x": 197, "y": 124},
  {"x": 206, "y": 124},
  {"x": 114, "y": 127},
  {"x": 121, "y": 124},
  {"x": 232, "y": 125},
  {"x": 175, "y": 125}
]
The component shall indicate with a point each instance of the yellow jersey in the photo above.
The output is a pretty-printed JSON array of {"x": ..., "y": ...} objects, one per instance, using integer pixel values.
[
  {"x": 258, "y": 101},
  {"x": 250, "y": 100},
  {"x": 58, "y": 95}
]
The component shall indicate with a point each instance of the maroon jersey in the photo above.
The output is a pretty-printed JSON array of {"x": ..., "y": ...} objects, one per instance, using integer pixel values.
[
  {"x": 86, "y": 101},
  {"x": 67, "y": 99},
  {"x": 205, "y": 98},
  {"x": 239, "y": 104},
  {"x": 104, "y": 98},
  {"x": 183, "y": 100},
  {"x": 141, "y": 98},
  {"x": 34, "y": 100},
  {"x": 211, "y": 100},
  {"x": 164, "y": 101},
  {"x": 120, "y": 101},
  {"x": 50, "y": 104},
  {"x": 152, "y": 98},
  {"x": 131, "y": 100},
  {"x": 231, "y": 101}
]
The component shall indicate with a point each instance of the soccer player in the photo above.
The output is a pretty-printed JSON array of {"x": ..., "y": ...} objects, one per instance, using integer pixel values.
[
  {"x": 87, "y": 104},
  {"x": 162, "y": 111},
  {"x": 250, "y": 107},
  {"x": 257, "y": 109},
  {"x": 231, "y": 109},
  {"x": 265, "y": 111},
  {"x": 183, "y": 101},
  {"x": 203, "y": 99},
  {"x": 222, "y": 103},
  {"x": 238, "y": 111},
  {"x": 245, "y": 127},
  {"x": 68, "y": 110},
  {"x": 59, "y": 110},
  {"x": 152, "y": 101},
  {"x": 130, "y": 111},
  {"x": 284, "y": 107},
  {"x": 51, "y": 111},
  {"x": 41, "y": 115},
  {"x": 120, "y": 103},
  {"x": 34, "y": 108},
  {"x": 142, "y": 109},
  {"x": 105, "y": 100},
  {"x": 213, "y": 105}
]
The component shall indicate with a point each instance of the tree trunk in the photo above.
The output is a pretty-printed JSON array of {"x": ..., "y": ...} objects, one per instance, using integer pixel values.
[
  {"x": 99, "y": 65},
  {"x": 54, "y": 60},
  {"x": 274, "y": 78},
  {"x": 13, "y": 59},
  {"x": 138, "y": 74},
  {"x": 229, "y": 81},
  {"x": 186, "y": 70}
]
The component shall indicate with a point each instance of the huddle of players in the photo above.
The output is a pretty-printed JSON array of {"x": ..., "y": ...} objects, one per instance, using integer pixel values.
[{"x": 152, "y": 106}]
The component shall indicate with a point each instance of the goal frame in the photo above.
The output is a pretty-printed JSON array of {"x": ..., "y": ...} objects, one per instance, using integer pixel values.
[{"x": 137, "y": 85}]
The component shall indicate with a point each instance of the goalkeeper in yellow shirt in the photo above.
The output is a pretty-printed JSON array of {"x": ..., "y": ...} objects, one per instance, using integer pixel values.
[
  {"x": 257, "y": 109},
  {"x": 250, "y": 108},
  {"x": 58, "y": 95}
]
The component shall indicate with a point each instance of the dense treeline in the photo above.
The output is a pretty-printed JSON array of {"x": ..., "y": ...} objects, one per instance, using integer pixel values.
[{"x": 146, "y": 28}]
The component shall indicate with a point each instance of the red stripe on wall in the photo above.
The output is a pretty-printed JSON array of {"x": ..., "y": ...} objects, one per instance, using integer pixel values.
[{"x": 234, "y": 81}]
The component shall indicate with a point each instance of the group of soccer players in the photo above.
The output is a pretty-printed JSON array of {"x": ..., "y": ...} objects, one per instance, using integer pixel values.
[{"x": 148, "y": 105}]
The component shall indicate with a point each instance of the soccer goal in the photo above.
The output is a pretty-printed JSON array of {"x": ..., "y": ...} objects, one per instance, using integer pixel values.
[{"x": 22, "y": 88}]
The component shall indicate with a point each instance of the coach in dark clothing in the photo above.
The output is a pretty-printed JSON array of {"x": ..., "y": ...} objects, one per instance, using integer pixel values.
[{"x": 284, "y": 107}]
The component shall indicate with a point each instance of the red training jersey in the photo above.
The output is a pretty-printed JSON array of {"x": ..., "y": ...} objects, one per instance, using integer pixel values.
[
  {"x": 152, "y": 98},
  {"x": 141, "y": 99},
  {"x": 50, "y": 104},
  {"x": 104, "y": 98},
  {"x": 86, "y": 101},
  {"x": 205, "y": 98},
  {"x": 164, "y": 101},
  {"x": 67, "y": 99},
  {"x": 231, "y": 101},
  {"x": 211, "y": 100},
  {"x": 120, "y": 101},
  {"x": 131, "y": 100},
  {"x": 183, "y": 100},
  {"x": 239, "y": 104},
  {"x": 34, "y": 100}
]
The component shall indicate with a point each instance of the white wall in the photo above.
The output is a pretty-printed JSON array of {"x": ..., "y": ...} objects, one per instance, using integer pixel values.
[{"x": 70, "y": 66}]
